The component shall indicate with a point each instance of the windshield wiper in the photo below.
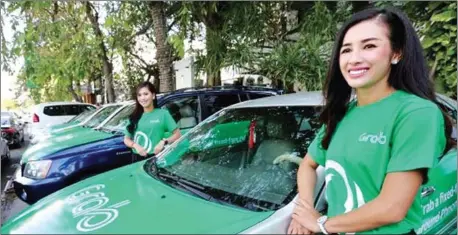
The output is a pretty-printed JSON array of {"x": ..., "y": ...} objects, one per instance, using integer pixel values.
[{"x": 189, "y": 186}]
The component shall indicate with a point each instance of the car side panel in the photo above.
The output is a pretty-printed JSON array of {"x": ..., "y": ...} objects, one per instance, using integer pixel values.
[{"x": 439, "y": 196}]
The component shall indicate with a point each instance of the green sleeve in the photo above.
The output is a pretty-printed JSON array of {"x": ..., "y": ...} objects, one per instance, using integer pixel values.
[
  {"x": 126, "y": 132},
  {"x": 315, "y": 150},
  {"x": 418, "y": 140},
  {"x": 170, "y": 123}
]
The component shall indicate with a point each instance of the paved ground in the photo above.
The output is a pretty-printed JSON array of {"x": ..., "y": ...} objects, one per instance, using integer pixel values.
[{"x": 11, "y": 205}]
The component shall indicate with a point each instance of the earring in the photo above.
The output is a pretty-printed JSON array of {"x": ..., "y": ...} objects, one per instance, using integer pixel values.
[{"x": 394, "y": 62}]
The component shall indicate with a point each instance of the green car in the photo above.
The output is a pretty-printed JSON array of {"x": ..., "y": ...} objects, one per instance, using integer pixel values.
[
  {"x": 233, "y": 173},
  {"x": 75, "y": 135},
  {"x": 93, "y": 120},
  {"x": 86, "y": 115}
]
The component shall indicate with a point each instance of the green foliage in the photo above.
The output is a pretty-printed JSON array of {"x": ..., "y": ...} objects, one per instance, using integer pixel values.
[{"x": 435, "y": 23}]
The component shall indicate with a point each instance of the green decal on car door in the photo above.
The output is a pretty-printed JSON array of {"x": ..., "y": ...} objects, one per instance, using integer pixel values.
[{"x": 439, "y": 197}]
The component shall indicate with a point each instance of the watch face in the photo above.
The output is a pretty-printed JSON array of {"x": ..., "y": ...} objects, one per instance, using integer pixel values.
[{"x": 322, "y": 219}]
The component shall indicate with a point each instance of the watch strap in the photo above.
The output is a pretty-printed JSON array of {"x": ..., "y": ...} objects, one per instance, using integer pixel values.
[{"x": 321, "y": 221}]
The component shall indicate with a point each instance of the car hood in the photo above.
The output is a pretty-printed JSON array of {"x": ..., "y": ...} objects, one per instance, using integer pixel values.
[
  {"x": 57, "y": 143},
  {"x": 128, "y": 200}
]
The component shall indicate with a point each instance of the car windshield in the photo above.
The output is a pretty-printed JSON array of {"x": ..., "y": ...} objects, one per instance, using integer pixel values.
[
  {"x": 119, "y": 122},
  {"x": 246, "y": 157},
  {"x": 101, "y": 116},
  {"x": 82, "y": 116},
  {"x": 5, "y": 121}
]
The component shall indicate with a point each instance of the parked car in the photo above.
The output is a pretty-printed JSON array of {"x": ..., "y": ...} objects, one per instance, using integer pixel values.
[
  {"x": 95, "y": 118},
  {"x": 53, "y": 113},
  {"x": 4, "y": 150},
  {"x": 12, "y": 130},
  {"x": 64, "y": 160},
  {"x": 224, "y": 176},
  {"x": 75, "y": 120}
]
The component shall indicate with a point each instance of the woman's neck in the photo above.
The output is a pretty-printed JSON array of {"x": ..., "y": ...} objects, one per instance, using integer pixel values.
[
  {"x": 373, "y": 94},
  {"x": 148, "y": 109}
]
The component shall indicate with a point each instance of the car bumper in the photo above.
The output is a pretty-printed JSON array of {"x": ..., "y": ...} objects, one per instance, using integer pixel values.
[{"x": 31, "y": 190}]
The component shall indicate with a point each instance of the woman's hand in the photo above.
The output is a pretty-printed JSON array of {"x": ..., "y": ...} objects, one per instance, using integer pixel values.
[
  {"x": 307, "y": 216},
  {"x": 140, "y": 150},
  {"x": 159, "y": 147},
  {"x": 296, "y": 228}
]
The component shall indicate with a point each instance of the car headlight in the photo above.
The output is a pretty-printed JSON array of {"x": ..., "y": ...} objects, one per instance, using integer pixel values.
[{"x": 37, "y": 169}]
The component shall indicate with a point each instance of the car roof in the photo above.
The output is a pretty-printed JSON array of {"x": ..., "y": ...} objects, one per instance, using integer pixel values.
[
  {"x": 310, "y": 98},
  {"x": 305, "y": 98},
  {"x": 222, "y": 89},
  {"x": 62, "y": 103}
]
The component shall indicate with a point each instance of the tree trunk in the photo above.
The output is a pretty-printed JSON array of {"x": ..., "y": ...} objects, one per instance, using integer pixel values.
[
  {"x": 107, "y": 66},
  {"x": 163, "y": 48},
  {"x": 72, "y": 91},
  {"x": 215, "y": 49}
]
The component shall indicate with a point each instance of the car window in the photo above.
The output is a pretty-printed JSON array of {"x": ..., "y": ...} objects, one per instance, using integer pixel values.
[
  {"x": 241, "y": 156},
  {"x": 120, "y": 120},
  {"x": 185, "y": 111},
  {"x": 216, "y": 102},
  {"x": 66, "y": 109},
  {"x": 82, "y": 116},
  {"x": 258, "y": 95},
  {"x": 102, "y": 115},
  {"x": 243, "y": 97},
  {"x": 54, "y": 110},
  {"x": 84, "y": 108}
]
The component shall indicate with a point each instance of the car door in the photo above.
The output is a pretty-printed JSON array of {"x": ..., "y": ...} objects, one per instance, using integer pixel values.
[
  {"x": 439, "y": 194},
  {"x": 185, "y": 110}
]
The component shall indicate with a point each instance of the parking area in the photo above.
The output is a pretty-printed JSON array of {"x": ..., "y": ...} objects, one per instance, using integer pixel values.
[{"x": 11, "y": 205}]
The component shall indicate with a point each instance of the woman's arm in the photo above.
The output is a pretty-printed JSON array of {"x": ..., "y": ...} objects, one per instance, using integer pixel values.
[
  {"x": 176, "y": 135},
  {"x": 391, "y": 206},
  {"x": 306, "y": 179},
  {"x": 129, "y": 142}
]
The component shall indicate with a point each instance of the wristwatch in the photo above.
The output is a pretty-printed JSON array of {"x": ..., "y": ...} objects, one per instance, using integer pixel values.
[
  {"x": 166, "y": 142},
  {"x": 321, "y": 221}
]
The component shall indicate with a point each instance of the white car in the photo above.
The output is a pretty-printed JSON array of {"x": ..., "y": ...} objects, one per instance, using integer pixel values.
[{"x": 45, "y": 115}]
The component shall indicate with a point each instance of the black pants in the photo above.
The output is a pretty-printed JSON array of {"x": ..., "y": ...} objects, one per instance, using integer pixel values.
[
  {"x": 137, "y": 157},
  {"x": 412, "y": 232}
]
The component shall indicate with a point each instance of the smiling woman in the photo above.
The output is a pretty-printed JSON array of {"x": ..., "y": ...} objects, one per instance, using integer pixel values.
[
  {"x": 379, "y": 148},
  {"x": 148, "y": 124}
]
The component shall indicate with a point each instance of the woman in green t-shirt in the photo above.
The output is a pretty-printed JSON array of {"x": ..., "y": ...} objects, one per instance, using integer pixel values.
[
  {"x": 145, "y": 133},
  {"x": 376, "y": 150}
]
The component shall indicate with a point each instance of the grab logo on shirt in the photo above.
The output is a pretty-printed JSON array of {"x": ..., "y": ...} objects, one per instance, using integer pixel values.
[
  {"x": 142, "y": 139},
  {"x": 373, "y": 139},
  {"x": 350, "y": 203}
]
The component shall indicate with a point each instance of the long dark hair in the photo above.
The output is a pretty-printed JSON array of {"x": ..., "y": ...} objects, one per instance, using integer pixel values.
[
  {"x": 410, "y": 74},
  {"x": 138, "y": 111}
]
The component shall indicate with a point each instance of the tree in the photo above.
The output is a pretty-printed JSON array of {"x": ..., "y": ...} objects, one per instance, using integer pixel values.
[{"x": 164, "y": 56}]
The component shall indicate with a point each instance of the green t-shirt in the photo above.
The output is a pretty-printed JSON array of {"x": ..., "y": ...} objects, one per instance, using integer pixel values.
[
  {"x": 151, "y": 129},
  {"x": 398, "y": 133}
]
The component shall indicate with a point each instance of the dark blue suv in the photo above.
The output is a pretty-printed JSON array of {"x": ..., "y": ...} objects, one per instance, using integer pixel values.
[{"x": 95, "y": 154}]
